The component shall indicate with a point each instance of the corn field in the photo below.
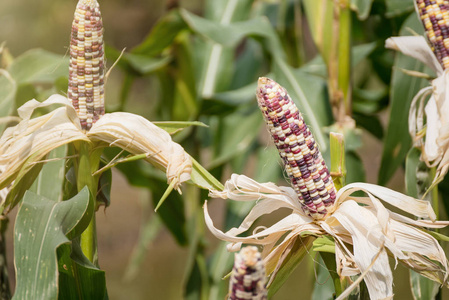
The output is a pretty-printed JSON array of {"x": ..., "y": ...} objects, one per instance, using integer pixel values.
[{"x": 224, "y": 149}]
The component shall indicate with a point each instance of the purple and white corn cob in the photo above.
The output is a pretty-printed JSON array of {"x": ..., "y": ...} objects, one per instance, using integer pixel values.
[
  {"x": 86, "y": 70},
  {"x": 305, "y": 166},
  {"x": 434, "y": 15},
  {"x": 248, "y": 277}
]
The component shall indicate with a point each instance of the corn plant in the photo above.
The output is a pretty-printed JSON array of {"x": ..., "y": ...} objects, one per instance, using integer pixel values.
[
  {"x": 55, "y": 233},
  {"x": 326, "y": 62}
]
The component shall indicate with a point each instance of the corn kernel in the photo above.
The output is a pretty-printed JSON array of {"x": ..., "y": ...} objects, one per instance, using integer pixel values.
[
  {"x": 302, "y": 160},
  {"x": 86, "y": 70},
  {"x": 248, "y": 276}
]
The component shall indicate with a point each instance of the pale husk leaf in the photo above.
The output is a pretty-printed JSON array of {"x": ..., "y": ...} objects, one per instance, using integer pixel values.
[
  {"x": 36, "y": 136},
  {"x": 416, "y": 47},
  {"x": 137, "y": 135},
  {"x": 367, "y": 239},
  {"x": 419, "y": 208}
]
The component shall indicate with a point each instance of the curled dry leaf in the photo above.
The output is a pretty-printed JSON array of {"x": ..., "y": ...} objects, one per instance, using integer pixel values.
[
  {"x": 363, "y": 222},
  {"x": 36, "y": 137},
  {"x": 428, "y": 122}
]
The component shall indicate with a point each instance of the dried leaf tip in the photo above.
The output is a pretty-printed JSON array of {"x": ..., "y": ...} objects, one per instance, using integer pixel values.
[
  {"x": 434, "y": 15},
  {"x": 86, "y": 69},
  {"x": 305, "y": 166},
  {"x": 248, "y": 276}
]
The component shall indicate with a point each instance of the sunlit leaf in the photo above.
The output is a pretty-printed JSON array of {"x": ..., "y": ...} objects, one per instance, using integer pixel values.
[
  {"x": 174, "y": 127},
  {"x": 42, "y": 225},
  {"x": 319, "y": 17},
  {"x": 324, "y": 244},
  {"x": 7, "y": 96},
  {"x": 228, "y": 35},
  {"x": 38, "y": 66},
  {"x": 202, "y": 178}
]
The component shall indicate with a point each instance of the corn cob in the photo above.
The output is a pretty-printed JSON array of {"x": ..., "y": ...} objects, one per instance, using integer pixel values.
[
  {"x": 305, "y": 166},
  {"x": 434, "y": 15},
  {"x": 86, "y": 70},
  {"x": 248, "y": 276}
]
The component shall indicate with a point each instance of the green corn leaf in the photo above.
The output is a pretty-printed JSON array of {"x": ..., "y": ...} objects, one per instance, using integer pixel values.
[
  {"x": 50, "y": 179},
  {"x": 177, "y": 126},
  {"x": 423, "y": 288},
  {"x": 185, "y": 103},
  {"x": 202, "y": 178},
  {"x": 362, "y": 8},
  {"x": 38, "y": 66},
  {"x": 226, "y": 11},
  {"x": 162, "y": 35},
  {"x": 298, "y": 251},
  {"x": 239, "y": 131},
  {"x": 42, "y": 225},
  {"x": 78, "y": 277},
  {"x": 323, "y": 287},
  {"x": 25, "y": 92},
  {"x": 319, "y": 17},
  {"x": 324, "y": 244},
  {"x": 227, "y": 35},
  {"x": 398, "y": 7},
  {"x": 214, "y": 59},
  {"x": 397, "y": 140},
  {"x": 7, "y": 96},
  {"x": 235, "y": 97},
  {"x": 104, "y": 188},
  {"x": 249, "y": 65},
  {"x": 370, "y": 123},
  {"x": 417, "y": 176},
  {"x": 144, "y": 64},
  {"x": 22, "y": 182}
]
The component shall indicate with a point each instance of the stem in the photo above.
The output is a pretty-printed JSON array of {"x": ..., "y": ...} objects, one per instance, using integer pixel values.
[
  {"x": 338, "y": 164},
  {"x": 434, "y": 194},
  {"x": 339, "y": 65},
  {"x": 88, "y": 162},
  {"x": 338, "y": 173},
  {"x": 89, "y": 242},
  {"x": 344, "y": 58}
]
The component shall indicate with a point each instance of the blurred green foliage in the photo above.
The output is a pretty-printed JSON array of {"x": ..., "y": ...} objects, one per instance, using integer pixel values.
[{"x": 201, "y": 62}]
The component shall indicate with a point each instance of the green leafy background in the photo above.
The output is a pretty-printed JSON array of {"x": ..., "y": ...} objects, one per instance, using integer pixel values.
[{"x": 199, "y": 61}]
